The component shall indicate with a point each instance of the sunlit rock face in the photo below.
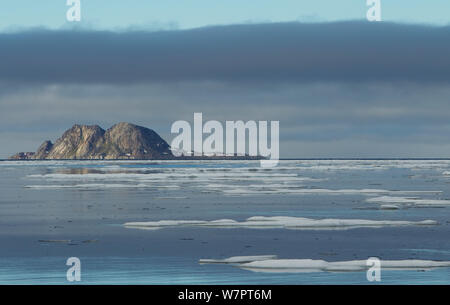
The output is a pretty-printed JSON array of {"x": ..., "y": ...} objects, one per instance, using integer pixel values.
[
  {"x": 121, "y": 141},
  {"x": 126, "y": 140}
]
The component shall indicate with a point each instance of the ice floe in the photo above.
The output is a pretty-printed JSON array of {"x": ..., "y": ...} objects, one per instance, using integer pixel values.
[
  {"x": 367, "y": 165},
  {"x": 240, "y": 178},
  {"x": 310, "y": 265},
  {"x": 285, "y": 222},
  {"x": 389, "y": 207},
  {"x": 197, "y": 178},
  {"x": 270, "y": 263},
  {"x": 409, "y": 201},
  {"x": 316, "y": 165},
  {"x": 96, "y": 186},
  {"x": 244, "y": 190},
  {"x": 171, "y": 173},
  {"x": 238, "y": 259},
  {"x": 291, "y": 177}
]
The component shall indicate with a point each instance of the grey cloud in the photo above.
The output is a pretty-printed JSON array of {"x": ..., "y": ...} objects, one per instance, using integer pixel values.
[
  {"x": 349, "y": 89},
  {"x": 337, "y": 119},
  {"x": 345, "y": 51}
]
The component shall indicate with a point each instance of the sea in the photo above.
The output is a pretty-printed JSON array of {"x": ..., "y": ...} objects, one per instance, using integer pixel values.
[{"x": 51, "y": 211}]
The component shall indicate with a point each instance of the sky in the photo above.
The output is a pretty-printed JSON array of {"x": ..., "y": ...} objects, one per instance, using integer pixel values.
[
  {"x": 340, "y": 86},
  {"x": 185, "y": 14}
]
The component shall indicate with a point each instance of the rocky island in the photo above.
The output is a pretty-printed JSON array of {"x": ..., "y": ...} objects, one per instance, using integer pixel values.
[{"x": 121, "y": 141}]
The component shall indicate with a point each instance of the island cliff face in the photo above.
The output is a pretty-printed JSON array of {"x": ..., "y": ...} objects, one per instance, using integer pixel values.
[{"x": 121, "y": 141}]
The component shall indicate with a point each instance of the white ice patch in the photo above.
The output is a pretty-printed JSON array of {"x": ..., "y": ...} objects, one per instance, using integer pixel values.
[
  {"x": 169, "y": 173},
  {"x": 367, "y": 165},
  {"x": 310, "y": 265},
  {"x": 286, "y": 189},
  {"x": 216, "y": 179},
  {"x": 200, "y": 177},
  {"x": 238, "y": 259},
  {"x": 239, "y": 179},
  {"x": 284, "y": 222},
  {"x": 409, "y": 201},
  {"x": 318, "y": 165},
  {"x": 389, "y": 207},
  {"x": 95, "y": 186}
]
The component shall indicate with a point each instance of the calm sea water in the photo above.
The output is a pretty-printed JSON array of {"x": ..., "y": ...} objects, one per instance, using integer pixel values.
[{"x": 53, "y": 210}]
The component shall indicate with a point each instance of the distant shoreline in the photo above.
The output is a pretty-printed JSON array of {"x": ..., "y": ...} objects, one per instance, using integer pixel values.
[{"x": 237, "y": 159}]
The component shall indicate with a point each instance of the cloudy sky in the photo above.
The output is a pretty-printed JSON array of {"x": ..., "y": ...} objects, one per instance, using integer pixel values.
[{"x": 339, "y": 85}]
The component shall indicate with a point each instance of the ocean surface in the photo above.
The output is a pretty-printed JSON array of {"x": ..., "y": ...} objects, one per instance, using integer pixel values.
[{"x": 53, "y": 210}]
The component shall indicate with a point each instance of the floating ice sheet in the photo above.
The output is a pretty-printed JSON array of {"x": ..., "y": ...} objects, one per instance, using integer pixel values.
[
  {"x": 238, "y": 259},
  {"x": 97, "y": 186},
  {"x": 291, "y": 177},
  {"x": 265, "y": 189},
  {"x": 310, "y": 265},
  {"x": 270, "y": 263},
  {"x": 409, "y": 201},
  {"x": 286, "y": 222}
]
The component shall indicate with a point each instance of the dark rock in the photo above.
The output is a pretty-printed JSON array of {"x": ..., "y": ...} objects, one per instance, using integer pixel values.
[
  {"x": 79, "y": 142},
  {"x": 22, "y": 156},
  {"x": 43, "y": 150},
  {"x": 122, "y": 141},
  {"x": 128, "y": 141}
]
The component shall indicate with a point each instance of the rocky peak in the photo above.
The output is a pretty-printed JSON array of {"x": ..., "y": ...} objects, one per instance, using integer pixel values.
[
  {"x": 137, "y": 141},
  {"x": 22, "y": 156},
  {"x": 79, "y": 142},
  {"x": 121, "y": 141},
  {"x": 43, "y": 150}
]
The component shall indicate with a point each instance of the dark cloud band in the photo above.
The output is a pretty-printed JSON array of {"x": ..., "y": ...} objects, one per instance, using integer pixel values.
[{"x": 345, "y": 51}]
